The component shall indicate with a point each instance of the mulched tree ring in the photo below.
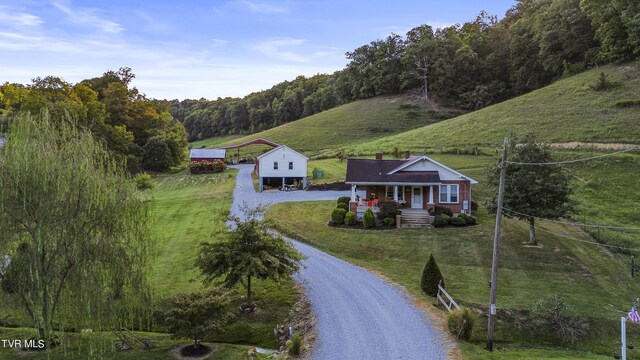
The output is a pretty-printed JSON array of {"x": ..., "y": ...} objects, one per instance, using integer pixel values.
[{"x": 195, "y": 351}]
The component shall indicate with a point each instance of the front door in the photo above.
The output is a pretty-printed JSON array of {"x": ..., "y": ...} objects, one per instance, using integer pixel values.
[{"x": 416, "y": 197}]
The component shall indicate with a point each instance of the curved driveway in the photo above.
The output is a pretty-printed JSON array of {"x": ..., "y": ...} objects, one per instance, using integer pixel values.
[{"x": 359, "y": 316}]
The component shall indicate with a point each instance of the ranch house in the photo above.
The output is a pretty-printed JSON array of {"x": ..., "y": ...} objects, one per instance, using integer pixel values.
[{"x": 417, "y": 184}]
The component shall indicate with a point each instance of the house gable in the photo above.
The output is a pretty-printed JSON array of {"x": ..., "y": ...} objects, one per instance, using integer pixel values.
[
  {"x": 283, "y": 155},
  {"x": 425, "y": 163}
]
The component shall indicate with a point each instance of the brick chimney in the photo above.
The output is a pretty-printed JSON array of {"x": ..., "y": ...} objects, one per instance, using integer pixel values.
[
  {"x": 379, "y": 156},
  {"x": 407, "y": 154}
]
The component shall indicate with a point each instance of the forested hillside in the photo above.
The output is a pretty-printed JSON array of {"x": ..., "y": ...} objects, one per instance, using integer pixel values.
[
  {"x": 470, "y": 66},
  {"x": 138, "y": 131}
]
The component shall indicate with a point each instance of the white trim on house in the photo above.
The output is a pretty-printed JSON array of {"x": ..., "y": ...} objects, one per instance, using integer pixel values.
[
  {"x": 391, "y": 183},
  {"x": 424, "y": 157},
  {"x": 448, "y": 193}
]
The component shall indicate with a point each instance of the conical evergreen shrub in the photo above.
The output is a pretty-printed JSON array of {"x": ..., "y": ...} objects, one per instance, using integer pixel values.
[{"x": 430, "y": 277}]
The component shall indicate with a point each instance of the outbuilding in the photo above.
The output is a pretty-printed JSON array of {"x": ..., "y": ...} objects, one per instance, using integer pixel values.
[
  {"x": 207, "y": 155},
  {"x": 282, "y": 168}
]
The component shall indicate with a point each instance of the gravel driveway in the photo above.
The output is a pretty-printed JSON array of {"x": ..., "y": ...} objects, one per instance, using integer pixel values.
[{"x": 359, "y": 316}]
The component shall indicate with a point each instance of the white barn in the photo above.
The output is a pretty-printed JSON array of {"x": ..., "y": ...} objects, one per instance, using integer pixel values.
[{"x": 282, "y": 167}]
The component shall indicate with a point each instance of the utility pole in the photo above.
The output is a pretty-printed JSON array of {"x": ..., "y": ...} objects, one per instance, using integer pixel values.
[{"x": 496, "y": 248}]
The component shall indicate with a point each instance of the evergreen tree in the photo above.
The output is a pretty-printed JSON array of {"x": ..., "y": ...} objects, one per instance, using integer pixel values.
[{"x": 431, "y": 276}]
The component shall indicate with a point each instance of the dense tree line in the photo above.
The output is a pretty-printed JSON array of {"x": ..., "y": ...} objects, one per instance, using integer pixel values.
[
  {"x": 471, "y": 66},
  {"x": 136, "y": 130}
]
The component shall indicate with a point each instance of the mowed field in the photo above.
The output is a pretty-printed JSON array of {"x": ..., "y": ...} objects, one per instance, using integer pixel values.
[
  {"x": 358, "y": 122},
  {"x": 566, "y": 111}
]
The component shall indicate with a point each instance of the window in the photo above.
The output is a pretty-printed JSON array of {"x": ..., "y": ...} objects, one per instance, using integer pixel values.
[
  {"x": 389, "y": 191},
  {"x": 449, "y": 193},
  {"x": 290, "y": 165},
  {"x": 275, "y": 165}
]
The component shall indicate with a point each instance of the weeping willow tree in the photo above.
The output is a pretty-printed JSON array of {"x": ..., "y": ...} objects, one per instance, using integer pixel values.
[{"x": 76, "y": 234}]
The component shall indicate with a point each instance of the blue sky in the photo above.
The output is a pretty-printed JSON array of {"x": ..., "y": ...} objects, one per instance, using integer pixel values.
[{"x": 210, "y": 49}]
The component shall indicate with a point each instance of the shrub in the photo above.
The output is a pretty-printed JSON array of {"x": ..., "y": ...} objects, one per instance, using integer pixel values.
[
  {"x": 337, "y": 216},
  {"x": 460, "y": 323},
  {"x": 441, "y": 220},
  {"x": 294, "y": 345},
  {"x": 144, "y": 181},
  {"x": 389, "y": 221},
  {"x": 604, "y": 83},
  {"x": 387, "y": 209},
  {"x": 343, "y": 206},
  {"x": 368, "y": 220},
  {"x": 344, "y": 200},
  {"x": 206, "y": 167},
  {"x": 350, "y": 218},
  {"x": 431, "y": 276},
  {"x": 474, "y": 205},
  {"x": 458, "y": 221},
  {"x": 470, "y": 220},
  {"x": 439, "y": 210},
  {"x": 553, "y": 314}
]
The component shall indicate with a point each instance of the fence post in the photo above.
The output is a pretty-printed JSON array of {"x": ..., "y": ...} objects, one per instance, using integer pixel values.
[{"x": 623, "y": 338}]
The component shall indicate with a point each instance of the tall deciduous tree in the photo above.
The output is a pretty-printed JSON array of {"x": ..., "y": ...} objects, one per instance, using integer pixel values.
[
  {"x": 531, "y": 191},
  {"x": 251, "y": 250},
  {"x": 76, "y": 233}
]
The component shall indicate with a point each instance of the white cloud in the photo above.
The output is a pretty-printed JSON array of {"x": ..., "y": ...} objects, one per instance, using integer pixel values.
[
  {"x": 218, "y": 42},
  {"x": 88, "y": 18},
  {"x": 282, "y": 49},
  {"x": 18, "y": 18},
  {"x": 263, "y": 7}
]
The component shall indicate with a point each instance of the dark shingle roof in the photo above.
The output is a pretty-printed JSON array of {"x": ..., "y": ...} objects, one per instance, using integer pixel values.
[{"x": 375, "y": 171}]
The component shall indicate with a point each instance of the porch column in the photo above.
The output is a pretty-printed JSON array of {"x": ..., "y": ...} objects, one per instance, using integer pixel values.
[
  {"x": 283, "y": 184},
  {"x": 395, "y": 193},
  {"x": 304, "y": 183},
  {"x": 261, "y": 187},
  {"x": 353, "y": 192},
  {"x": 431, "y": 194}
]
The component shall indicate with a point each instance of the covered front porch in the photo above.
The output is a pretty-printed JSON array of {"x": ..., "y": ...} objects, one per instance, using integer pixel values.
[{"x": 413, "y": 196}]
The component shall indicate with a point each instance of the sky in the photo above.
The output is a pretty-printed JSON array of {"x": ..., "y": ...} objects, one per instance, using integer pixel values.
[{"x": 206, "y": 49}]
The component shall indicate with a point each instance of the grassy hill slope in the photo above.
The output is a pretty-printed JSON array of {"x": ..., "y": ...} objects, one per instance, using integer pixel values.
[
  {"x": 568, "y": 110},
  {"x": 354, "y": 123}
]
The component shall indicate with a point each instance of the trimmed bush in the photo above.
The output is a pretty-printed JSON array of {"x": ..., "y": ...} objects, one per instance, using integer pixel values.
[
  {"x": 441, "y": 220},
  {"x": 350, "y": 218},
  {"x": 388, "y": 209},
  {"x": 470, "y": 220},
  {"x": 389, "y": 221},
  {"x": 343, "y": 206},
  {"x": 431, "y": 275},
  {"x": 460, "y": 323},
  {"x": 368, "y": 220},
  {"x": 439, "y": 210},
  {"x": 458, "y": 221},
  {"x": 337, "y": 216},
  {"x": 144, "y": 181},
  {"x": 344, "y": 200}
]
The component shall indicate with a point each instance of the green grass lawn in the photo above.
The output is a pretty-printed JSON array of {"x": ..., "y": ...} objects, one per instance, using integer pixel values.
[
  {"x": 214, "y": 141},
  {"x": 568, "y": 110},
  {"x": 101, "y": 346},
  {"x": 358, "y": 122},
  {"x": 189, "y": 210}
]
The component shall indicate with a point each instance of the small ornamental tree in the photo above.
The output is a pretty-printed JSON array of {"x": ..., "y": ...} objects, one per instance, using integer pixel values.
[
  {"x": 431, "y": 276},
  {"x": 192, "y": 315},
  {"x": 368, "y": 219},
  {"x": 250, "y": 251}
]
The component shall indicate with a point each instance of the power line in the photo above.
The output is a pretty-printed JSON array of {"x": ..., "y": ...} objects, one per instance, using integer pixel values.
[
  {"x": 574, "y": 224},
  {"x": 573, "y": 160}
]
